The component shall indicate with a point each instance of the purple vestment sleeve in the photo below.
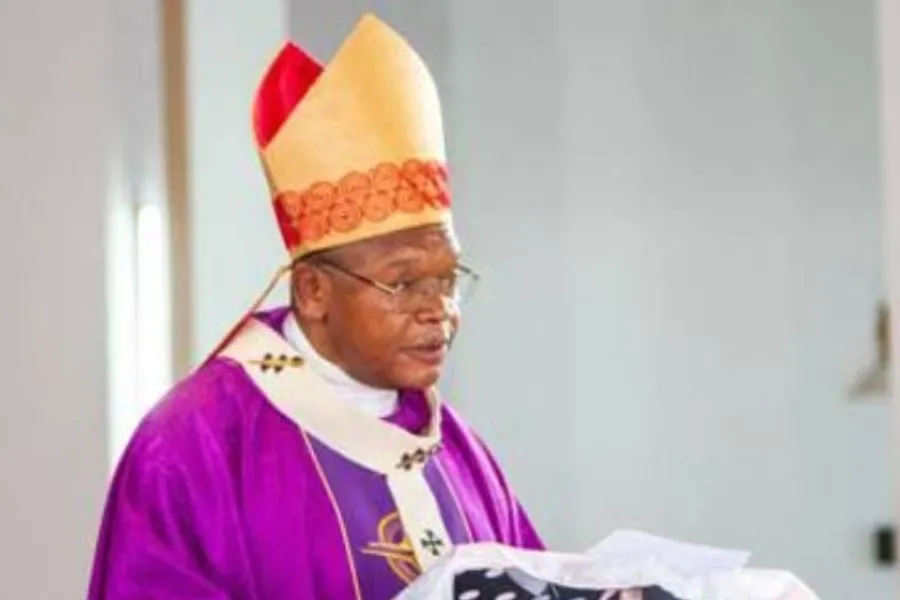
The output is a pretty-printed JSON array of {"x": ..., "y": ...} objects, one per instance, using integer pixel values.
[
  {"x": 162, "y": 533},
  {"x": 147, "y": 547},
  {"x": 173, "y": 526}
]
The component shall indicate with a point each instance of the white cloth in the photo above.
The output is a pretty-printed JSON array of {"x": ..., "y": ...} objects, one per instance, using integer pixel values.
[
  {"x": 625, "y": 561},
  {"x": 377, "y": 402}
]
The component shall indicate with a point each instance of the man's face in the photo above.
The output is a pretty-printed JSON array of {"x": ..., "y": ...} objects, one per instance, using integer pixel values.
[{"x": 375, "y": 336}]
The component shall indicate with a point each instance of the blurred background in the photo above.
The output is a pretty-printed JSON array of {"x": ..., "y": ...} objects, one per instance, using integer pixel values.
[{"x": 680, "y": 210}]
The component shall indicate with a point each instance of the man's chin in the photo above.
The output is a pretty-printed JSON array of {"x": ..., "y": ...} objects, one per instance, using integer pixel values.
[
  {"x": 419, "y": 379},
  {"x": 412, "y": 371}
]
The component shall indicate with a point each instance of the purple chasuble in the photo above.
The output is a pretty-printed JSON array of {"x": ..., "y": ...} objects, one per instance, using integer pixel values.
[{"x": 219, "y": 495}]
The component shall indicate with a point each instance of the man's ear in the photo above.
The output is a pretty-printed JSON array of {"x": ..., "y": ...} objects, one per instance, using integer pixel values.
[{"x": 311, "y": 291}]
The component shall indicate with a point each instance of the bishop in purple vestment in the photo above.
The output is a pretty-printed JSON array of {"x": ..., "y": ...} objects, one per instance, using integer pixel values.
[{"x": 309, "y": 456}]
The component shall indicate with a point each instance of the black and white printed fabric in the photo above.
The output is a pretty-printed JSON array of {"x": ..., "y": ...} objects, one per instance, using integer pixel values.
[
  {"x": 496, "y": 584},
  {"x": 626, "y": 566}
]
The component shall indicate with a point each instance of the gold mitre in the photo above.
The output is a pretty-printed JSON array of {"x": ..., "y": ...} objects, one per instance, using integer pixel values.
[{"x": 354, "y": 150}]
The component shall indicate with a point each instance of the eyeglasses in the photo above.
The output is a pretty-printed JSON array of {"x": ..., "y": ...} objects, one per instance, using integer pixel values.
[{"x": 415, "y": 294}]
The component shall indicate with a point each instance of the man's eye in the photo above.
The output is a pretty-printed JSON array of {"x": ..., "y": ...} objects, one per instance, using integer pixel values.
[
  {"x": 393, "y": 276},
  {"x": 403, "y": 284}
]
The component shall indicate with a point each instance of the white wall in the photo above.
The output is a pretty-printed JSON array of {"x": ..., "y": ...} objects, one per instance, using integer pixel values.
[
  {"x": 54, "y": 109},
  {"x": 723, "y": 179}
]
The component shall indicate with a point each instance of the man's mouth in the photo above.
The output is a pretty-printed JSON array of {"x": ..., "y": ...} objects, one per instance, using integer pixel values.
[{"x": 431, "y": 353}]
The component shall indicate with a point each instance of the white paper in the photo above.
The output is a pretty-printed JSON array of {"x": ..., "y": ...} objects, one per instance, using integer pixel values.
[{"x": 625, "y": 560}]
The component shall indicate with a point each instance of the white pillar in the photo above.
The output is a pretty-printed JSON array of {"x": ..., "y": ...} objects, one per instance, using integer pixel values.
[{"x": 138, "y": 294}]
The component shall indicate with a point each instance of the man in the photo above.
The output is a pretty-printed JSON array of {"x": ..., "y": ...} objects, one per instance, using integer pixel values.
[{"x": 309, "y": 457}]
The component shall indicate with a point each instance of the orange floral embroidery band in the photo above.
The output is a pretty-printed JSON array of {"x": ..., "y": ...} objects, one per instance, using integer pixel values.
[{"x": 325, "y": 208}]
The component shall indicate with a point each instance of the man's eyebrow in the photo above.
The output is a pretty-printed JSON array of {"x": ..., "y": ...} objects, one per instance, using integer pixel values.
[
  {"x": 401, "y": 262},
  {"x": 408, "y": 261}
]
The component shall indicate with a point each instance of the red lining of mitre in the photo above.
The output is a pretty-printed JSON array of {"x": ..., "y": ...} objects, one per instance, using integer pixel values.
[{"x": 284, "y": 85}]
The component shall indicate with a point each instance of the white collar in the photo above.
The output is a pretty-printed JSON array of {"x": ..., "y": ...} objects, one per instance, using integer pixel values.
[{"x": 374, "y": 401}]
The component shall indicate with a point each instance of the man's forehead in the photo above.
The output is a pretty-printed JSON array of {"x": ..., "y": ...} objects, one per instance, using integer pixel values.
[{"x": 432, "y": 238}]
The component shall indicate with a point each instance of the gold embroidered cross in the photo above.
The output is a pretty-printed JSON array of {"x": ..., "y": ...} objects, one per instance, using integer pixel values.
[
  {"x": 419, "y": 457},
  {"x": 432, "y": 543},
  {"x": 277, "y": 364}
]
